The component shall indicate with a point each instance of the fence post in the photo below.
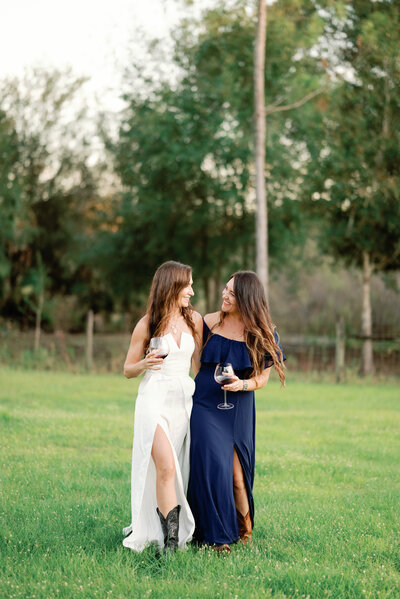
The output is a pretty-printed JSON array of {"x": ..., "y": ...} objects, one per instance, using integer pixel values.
[
  {"x": 340, "y": 349},
  {"x": 89, "y": 340}
]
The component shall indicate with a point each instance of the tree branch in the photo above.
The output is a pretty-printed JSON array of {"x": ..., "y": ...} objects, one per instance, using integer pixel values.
[{"x": 272, "y": 108}]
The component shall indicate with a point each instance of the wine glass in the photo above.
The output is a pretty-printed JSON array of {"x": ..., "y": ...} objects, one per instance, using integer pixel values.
[
  {"x": 223, "y": 375},
  {"x": 160, "y": 345}
]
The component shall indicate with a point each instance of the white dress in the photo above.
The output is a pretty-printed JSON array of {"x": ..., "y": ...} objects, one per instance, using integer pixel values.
[{"x": 164, "y": 398}]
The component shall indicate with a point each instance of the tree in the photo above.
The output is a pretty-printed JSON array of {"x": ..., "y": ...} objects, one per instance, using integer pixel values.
[
  {"x": 355, "y": 179},
  {"x": 50, "y": 187},
  {"x": 305, "y": 37},
  {"x": 33, "y": 291},
  {"x": 185, "y": 150},
  {"x": 10, "y": 197},
  {"x": 179, "y": 203},
  {"x": 259, "y": 118}
]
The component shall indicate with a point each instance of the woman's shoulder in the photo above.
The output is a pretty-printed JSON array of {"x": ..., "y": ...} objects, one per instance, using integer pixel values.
[
  {"x": 142, "y": 325},
  {"x": 197, "y": 317},
  {"x": 211, "y": 319},
  {"x": 198, "y": 324},
  {"x": 140, "y": 331}
]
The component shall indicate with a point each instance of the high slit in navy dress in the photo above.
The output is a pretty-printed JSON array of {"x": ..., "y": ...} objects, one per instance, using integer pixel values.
[{"x": 214, "y": 435}]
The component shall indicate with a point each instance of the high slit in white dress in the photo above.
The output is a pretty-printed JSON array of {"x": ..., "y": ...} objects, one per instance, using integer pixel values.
[{"x": 165, "y": 399}]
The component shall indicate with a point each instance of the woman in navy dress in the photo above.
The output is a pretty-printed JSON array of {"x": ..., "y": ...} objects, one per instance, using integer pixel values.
[{"x": 222, "y": 452}]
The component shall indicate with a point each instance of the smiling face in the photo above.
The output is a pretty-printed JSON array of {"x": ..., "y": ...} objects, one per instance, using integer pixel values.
[
  {"x": 185, "y": 294},
  {"x": 229, "y": 305}
]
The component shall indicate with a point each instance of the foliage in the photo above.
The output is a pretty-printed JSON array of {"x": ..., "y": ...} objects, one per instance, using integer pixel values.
[
  {"x": 184, "y": 152},
  {"x": 355, "y": 179},
  {"x": 179, "y": 182},
  {"x": 10, "y": 194},
  {"x": 49, "y": 187}
]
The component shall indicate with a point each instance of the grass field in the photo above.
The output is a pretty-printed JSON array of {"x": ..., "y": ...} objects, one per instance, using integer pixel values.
[{"x": 327, "y": 494}]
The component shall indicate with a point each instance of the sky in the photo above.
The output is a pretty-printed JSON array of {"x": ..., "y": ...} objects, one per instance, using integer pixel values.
[{"x": 92, "y": 36}]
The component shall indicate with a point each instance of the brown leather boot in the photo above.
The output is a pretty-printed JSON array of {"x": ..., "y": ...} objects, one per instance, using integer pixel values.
[{"x": 245, "y": 529}]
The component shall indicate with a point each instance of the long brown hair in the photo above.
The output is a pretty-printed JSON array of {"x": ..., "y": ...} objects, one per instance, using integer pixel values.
[
  {"x": 253, "y": 308},
  {"x": 168, "y": 281}
]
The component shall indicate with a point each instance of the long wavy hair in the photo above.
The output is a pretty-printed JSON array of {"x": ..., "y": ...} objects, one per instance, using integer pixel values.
[
  {"x": 253, "y": 308},
  {"x": 168, "y": 281}
]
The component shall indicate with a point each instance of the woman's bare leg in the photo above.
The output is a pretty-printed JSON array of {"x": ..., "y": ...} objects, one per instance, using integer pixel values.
[
  {"x": 239, "y": 488},
  {"x": 163, "y": 458}
]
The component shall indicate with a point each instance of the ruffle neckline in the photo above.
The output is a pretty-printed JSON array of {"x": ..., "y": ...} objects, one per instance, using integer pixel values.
[{"x": 221, "y": 349}]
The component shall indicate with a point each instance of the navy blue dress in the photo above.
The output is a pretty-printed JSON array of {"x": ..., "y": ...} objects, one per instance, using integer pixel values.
[{"x": 214, "y": 435}]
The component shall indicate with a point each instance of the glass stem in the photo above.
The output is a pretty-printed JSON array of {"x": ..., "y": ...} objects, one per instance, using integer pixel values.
[{"x": 225, "y": 402}]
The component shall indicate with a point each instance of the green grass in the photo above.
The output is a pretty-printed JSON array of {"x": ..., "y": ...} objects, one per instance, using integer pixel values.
[{"x": 327, "y": 495}]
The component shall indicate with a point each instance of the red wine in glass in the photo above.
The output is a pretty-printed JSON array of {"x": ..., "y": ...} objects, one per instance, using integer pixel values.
[
  {"x": 223, "y": 376},
  {"x": 224, "y": 380},
  {"x": 160, "y": 345}
]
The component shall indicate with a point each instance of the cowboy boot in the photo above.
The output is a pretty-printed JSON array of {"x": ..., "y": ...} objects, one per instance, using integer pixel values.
[
  {"x": 163, "y": 527},
  {"x": 170, "y": 528},
  {"x": 245, "y": 529},
  {"x": 172, "y": 521}
]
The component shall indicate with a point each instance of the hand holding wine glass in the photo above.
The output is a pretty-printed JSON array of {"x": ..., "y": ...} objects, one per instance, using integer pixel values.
[
  {"x": 160, "y": 345},
  {"x": 158, "y": 350},
  {"x": 223, "y": 375}
]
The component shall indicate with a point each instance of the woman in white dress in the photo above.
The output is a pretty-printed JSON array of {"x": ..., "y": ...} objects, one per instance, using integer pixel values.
[{"x": 160, "y": 458}]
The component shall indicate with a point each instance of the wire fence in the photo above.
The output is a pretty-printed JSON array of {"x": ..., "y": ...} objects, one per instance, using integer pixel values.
[
  {"x": 66, "y": 351},
  {"x": 320, "y": 353}
]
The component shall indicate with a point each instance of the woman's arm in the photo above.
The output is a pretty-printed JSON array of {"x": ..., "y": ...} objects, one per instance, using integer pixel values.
[
  {"x": 257, "y": 382},
  {"x": 134, "y": 365},
  {"x": 198, "y": 323}
]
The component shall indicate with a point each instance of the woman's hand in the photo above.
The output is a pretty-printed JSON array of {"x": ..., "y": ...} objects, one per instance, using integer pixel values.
[
  {"x": 237, "y": 384},
  {"x": 257, "y": 382},
  {"x": 151, "y": 361},
  {"x": 134, "y": 364}
]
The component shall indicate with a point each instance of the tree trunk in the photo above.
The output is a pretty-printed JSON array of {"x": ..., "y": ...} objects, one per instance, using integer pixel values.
[
  {"x": 386, "y": 105},
  {"x": 340, "y": 349},
  {"x": 89, "y": 340},
  {"x": 260, "y": 138},
  {"x": 212, "y": 292},
  {"x": 39, "y": 311},
  {"x": 215, "y": 290},
  {"x": 207, "y": 293},
  {"x": 367, "y": 364},
  {"x": 61, "y": 345}
]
